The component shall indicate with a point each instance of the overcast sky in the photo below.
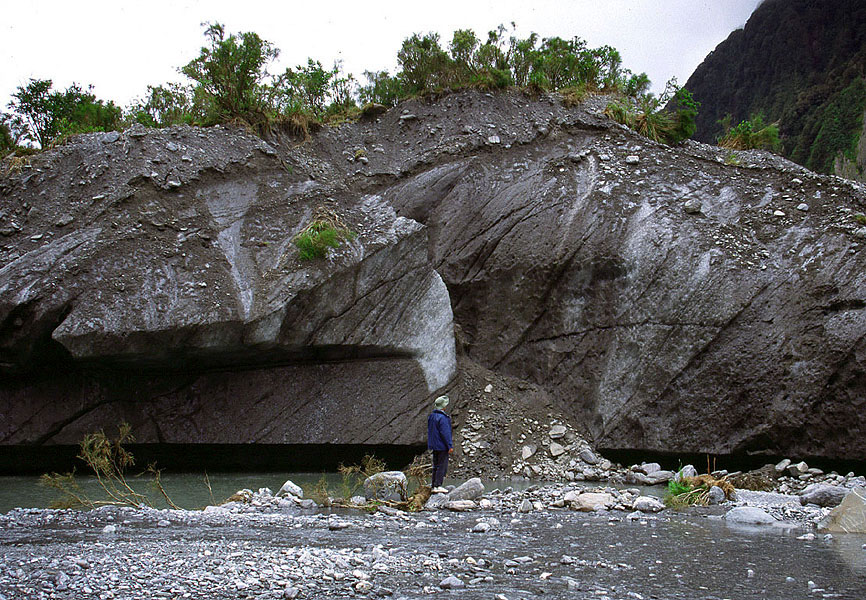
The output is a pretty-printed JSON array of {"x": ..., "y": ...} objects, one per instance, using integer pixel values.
[{"x": 120, "y": 47}]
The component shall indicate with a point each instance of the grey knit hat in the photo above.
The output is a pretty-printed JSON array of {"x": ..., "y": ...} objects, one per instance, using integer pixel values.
[{"x": 441, "y": 402}]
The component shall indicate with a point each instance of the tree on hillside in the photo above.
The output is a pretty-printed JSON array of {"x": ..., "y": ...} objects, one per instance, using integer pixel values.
[
  {"x": 13, "y": 131},
  {"x": 167, "y": 105},
  {"x": 381, "y": 88},
  {"x": 312, "y": 90},
  {"x": 6, "y": 143},
  {"x": 475, "y": 64},
  {"x": 604, "y": 65},
  {"x": 231, "y": 73},
  {"x": 521, "y": 55},
  {"x": 34, "y": 103},
  {"x": 557, "y": 63},
  {"x": 311, "y": 84},
  {"x": 342, "y": 92},
  {"x": 463, "y": 46},
  {"x": 50, "y": 113},
  {"x": 425, "y": 66}
]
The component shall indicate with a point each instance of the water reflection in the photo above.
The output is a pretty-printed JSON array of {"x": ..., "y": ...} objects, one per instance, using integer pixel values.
[
  {"x": 197, "y": 490},
  {"x": 851, "y": 549}
]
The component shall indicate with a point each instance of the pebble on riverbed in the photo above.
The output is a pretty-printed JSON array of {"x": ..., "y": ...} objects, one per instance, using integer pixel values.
[{"x": 451, "y": 583}]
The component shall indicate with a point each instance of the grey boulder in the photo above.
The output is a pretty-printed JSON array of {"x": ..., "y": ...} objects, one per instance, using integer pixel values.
[
  {"x": 716, "y": 495},
  {"x": 588, "y": 456},
  {"x": 659, "y": 329},
  {"x": 648, "y": 468},
  {"x": 686, "y": 471},
  {"x": 823, "y": 494},
  {"x": 460, "y": 505},
  {"x": 388, "y": 485},
  {"x": 178, "y": 302},
  {"x": 451, "y": 583},
  {"x": 849, "y": 516},
  {"x": 468, "y": 490},
  {"x": 657, "y": 477},
  {"x": 749, "y": 515},
  {"x": 436, "y": 501},
  {"x": 648, "y": 504},
  {"x": 290, "y": 488}
]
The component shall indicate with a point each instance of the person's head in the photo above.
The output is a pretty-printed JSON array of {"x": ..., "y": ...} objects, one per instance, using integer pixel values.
[{"x": 441, "y": 402}]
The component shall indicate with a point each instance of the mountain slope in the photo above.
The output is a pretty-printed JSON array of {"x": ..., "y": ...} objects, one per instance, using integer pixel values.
[{"x": 799, "y": 62}]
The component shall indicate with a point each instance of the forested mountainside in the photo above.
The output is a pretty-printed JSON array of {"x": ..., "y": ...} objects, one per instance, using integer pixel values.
[{"x": 802, "y": 64}]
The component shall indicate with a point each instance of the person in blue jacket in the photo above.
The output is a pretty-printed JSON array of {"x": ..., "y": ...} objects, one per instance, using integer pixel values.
[{"x": 439, "y": 441}]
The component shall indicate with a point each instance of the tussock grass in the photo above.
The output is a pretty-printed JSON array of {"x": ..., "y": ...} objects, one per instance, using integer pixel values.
[
  {"x": 297, "y": 123},
  {"x": 620, "y": 112},
  {"x": 732, "y": 160},
  {"x": 695, "y": 491},
  {"x": 574, "y": 95},
  {"x": 324, "y": 232},
  {"x": 751, "y": 134},
  {"x": 352, "y": 477},
  {"x": 15, "y": 164}
]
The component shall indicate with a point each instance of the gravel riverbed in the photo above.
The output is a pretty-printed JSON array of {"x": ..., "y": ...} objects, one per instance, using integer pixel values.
[{"x": 507, "y": 545}]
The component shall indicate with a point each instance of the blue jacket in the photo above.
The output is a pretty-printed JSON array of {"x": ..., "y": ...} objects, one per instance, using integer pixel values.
[{"x": 438, "y": 431}]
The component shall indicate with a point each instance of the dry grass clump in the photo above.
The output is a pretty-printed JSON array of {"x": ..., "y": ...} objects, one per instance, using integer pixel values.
[
  {"x": 15, "y": 164},
  {"x": 297, "y": 123},
  {"x": 351, "y": 479},
  {"x": 709, "y": 481},
  {"x": 755, "y": 480},
  {"x": 576, "y": 94},
  {"x": 695, "y": 491},
  {"x": 419, "y": 498},
  {"x": 109, "y": 461}
]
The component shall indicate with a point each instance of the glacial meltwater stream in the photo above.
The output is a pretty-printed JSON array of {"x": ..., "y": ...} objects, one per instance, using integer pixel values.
[{"x": 552, "y": 553}]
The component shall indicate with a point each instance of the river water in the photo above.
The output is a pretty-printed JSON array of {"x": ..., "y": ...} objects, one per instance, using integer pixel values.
[
  {"x": 191, "y": 490},
  {"x": 187, "y": 490},
  {"x": 543, "y": 554}
]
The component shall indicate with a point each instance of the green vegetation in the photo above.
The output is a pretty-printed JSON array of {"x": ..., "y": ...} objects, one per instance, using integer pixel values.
[
  {"x": 732, "y": 159},
  {"x": 229, "y": 82},
  {"x": 109, "y": 461},
  {"x": 315, "y": 239},
  {"x": 860, "y": 218},
  {"x": 801, "y": 64},
  {"x": 836, "y": 129},
  {"x": 13, "y": 130},
  {"x": 681, "y": 494},
  {"x": 694, "y": 491},
  {"x": 669, "y": 118},
  {"x": 676, "y": 488},
  {"x": 352, "y": 477},
  {"x": 750, "y": 135},
  {"x": 44, "y": 115},
  {"x": 319, "y": 492},
  {"x": 550, "y": 64},
  {"x": 231, "y": 75},
  {"x": 324, "y": 232},
  {"x": 171, "y": 104}
]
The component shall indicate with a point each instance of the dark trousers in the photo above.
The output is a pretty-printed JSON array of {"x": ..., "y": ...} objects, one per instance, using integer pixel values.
[{"x": 440, "y": 466}]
